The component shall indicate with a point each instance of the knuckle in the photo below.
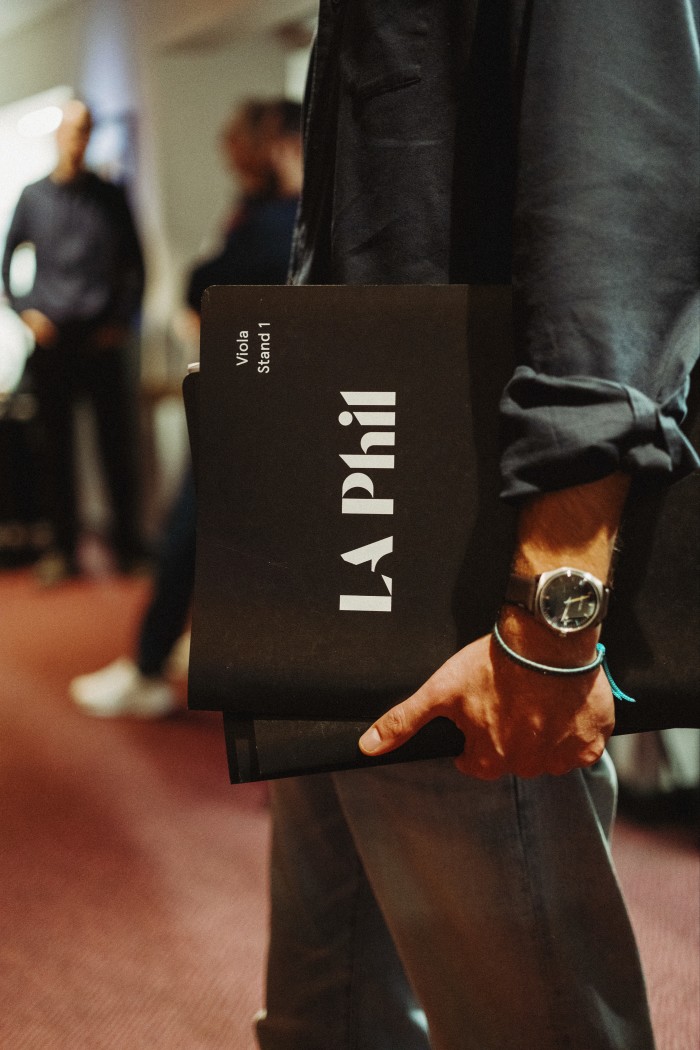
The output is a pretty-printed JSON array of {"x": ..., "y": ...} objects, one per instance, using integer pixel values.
[
  {"x": 593, "y": 753},
  {"x": 482, "y": 768},
  {"x": 437, "y": 693},
  {"x": 394, "y": 721},
  {"x": 579, "y": 754}
]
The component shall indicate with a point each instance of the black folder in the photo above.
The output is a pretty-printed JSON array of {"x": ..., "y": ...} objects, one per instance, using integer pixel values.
[{"x": 350, "y": 536}]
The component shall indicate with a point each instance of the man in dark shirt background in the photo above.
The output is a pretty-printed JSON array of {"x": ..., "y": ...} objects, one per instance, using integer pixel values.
[{"x": 81, "y": 309}]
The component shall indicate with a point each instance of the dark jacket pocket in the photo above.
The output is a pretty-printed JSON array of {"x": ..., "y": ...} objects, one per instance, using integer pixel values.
[{"x": 382, "y": 45}]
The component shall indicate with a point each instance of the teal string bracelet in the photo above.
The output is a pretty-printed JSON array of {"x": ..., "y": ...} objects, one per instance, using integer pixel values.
[
  {"x": 532, "y": 665},
  {"x": 616, "y": 691}
]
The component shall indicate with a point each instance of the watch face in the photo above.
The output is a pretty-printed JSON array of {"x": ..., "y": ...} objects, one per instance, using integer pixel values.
[{"x": 569, "y": 600}]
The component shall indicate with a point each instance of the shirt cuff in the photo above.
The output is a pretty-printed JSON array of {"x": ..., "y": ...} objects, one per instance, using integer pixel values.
[{"x": 559, "y": 432}]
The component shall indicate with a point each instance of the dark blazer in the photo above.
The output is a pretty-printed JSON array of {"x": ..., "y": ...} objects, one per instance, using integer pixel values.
[{"x": 548, "y": 142}]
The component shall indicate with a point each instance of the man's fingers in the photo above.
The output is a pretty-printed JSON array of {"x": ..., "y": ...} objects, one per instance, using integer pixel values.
[
  {"x": 398, "y": 725},
  {"x": 484, "y": 768},
  {"x": 512, "y": 726}
]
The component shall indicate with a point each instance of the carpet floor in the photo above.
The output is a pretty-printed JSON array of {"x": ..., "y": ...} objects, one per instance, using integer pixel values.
[{"x": 133, "y": 876}]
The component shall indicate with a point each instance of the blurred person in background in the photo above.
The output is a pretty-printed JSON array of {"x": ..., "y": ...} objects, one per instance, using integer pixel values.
[
  {"x": 262, "y": 146},
  {"x": 83, "y": 309}
]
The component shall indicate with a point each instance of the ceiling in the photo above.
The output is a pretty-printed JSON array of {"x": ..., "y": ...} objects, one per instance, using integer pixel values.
[
  {"x": 200, "y": 26},
  {"x": 14, "y": 14}
]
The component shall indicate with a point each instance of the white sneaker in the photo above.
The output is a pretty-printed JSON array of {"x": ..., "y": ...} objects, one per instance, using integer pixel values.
[{"x": 120, "y": 689}]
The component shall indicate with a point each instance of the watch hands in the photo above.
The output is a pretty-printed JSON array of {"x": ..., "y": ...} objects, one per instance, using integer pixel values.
[{"x": 577, "y": 600}]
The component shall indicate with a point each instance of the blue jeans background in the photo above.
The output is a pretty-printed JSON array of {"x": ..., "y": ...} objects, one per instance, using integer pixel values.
[{"x": 168, "y": 610}]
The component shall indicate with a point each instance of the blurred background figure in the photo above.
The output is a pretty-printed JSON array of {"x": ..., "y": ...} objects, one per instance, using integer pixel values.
[
  {"x": 263, "y": 149},
  {"x": 83, "y": 310}
]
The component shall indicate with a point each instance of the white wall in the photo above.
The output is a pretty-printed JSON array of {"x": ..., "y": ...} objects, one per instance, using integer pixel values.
[
  {"x": 182, "y": 21},
  {"x": 196, "y": 93},
  {"x": 181, "y": 67},
  {"x": 42, "y": 55}
]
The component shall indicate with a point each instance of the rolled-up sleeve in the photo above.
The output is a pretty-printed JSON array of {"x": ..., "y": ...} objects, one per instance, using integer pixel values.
[{"x": 606, "y": 263}]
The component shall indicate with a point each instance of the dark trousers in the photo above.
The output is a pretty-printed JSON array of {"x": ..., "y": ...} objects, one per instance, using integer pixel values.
[
  {"x": 167, "y": 613},
  {"x": 72, "y": 370}
]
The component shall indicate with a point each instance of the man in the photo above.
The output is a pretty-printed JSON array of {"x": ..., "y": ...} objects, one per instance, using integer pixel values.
[
  {"x": 263, "y": 147},
  {"x": 82, "y": 308},
  {"x": 555, "y": 145}
]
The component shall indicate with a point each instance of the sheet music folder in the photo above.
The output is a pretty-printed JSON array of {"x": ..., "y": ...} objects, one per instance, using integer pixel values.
[{"x": 350, "y": 536}]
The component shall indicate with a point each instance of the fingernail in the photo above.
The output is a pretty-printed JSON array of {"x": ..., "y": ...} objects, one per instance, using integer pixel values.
[{"x": 370, "y": 741}]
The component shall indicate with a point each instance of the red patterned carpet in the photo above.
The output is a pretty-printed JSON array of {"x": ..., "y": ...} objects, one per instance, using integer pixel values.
[{"x": 132, "y": 875}]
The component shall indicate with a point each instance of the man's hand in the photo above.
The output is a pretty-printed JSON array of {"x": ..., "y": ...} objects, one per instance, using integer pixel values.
[
  {"x": 44, "y": 331},
  {"x": 517, "y": 720},
  {"x": 514, "y": 720}
]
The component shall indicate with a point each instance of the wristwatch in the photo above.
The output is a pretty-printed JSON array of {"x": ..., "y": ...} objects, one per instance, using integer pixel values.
[{"x": 566, "y": 600}]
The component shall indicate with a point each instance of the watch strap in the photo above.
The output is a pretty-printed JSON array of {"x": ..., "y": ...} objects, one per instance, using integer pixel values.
[{"x": 521, "y": 590}]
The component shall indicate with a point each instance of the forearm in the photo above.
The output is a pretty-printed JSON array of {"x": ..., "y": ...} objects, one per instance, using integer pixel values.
[{"x": 574, "y": 527}]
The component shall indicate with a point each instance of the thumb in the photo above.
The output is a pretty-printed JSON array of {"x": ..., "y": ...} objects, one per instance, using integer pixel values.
[{"x": 397, "y": 725}]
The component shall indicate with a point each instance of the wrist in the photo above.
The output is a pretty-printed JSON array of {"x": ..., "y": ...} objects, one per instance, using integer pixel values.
[
  {"x": 537, "y": 642},
  {"x": 548, "y": 669}
]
